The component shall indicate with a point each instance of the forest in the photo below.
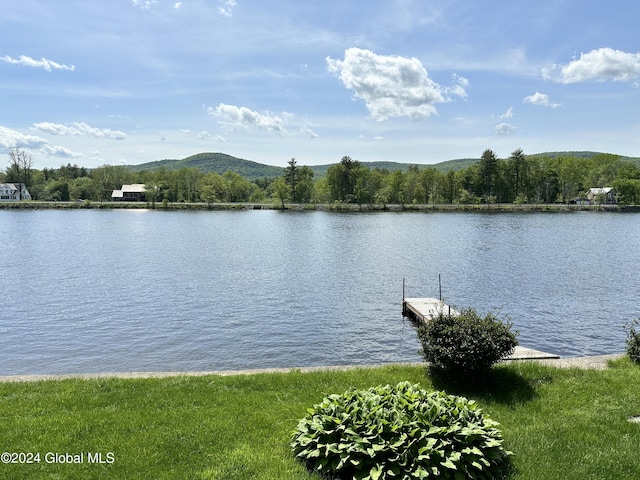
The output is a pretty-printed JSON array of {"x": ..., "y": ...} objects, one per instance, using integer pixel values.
[{"x": 518, "y": 179}]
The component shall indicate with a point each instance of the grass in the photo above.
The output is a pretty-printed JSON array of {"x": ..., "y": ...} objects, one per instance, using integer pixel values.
[{"x": 561, "y": 424}]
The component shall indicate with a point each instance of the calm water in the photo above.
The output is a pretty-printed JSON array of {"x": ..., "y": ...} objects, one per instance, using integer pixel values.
[{"x": 105, "y": 291}]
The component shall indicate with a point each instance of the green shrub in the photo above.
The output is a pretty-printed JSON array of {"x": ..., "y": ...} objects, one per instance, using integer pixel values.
[
  {"x": 399, "y": 432},
  {"x": 466, "y": 344},
  {"x": 633, "y": 340}
]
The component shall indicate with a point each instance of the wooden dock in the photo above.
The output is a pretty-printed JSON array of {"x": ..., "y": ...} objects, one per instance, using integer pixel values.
[{"x": 421, "y": 310}]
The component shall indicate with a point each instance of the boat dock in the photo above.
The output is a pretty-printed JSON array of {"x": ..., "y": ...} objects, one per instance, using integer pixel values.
[{"x": 421, "y": 310}]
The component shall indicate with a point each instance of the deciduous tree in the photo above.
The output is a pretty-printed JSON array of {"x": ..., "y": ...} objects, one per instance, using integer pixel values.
[{"x": 20, "y": 163}]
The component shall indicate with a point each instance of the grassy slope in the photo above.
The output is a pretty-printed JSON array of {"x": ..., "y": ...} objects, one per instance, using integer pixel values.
[{"x": 561, "y": 424}]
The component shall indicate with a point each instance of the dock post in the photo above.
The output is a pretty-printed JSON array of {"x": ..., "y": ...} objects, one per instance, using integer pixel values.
[
  {"x": 404, "y": 308},
  {"x": 440, "y": 286}
]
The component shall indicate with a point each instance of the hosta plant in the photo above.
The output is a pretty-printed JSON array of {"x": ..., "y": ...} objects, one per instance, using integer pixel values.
[{"x": 399, "y": 432}]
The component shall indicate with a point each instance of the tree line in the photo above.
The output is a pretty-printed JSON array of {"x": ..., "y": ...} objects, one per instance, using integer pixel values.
[{"x": 519, "y": 178}]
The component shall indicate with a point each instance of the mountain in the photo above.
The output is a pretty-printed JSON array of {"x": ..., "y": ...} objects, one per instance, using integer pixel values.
[
  {"x": 221, "y": 163},
  {"x": 216, "y": 163}
]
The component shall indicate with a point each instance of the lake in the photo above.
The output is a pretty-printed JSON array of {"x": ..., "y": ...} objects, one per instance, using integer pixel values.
[{"x": 88, "y": 291}]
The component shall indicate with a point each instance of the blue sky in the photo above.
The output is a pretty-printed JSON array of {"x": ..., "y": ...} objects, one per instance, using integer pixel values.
[{"x": 93, "y": 82}]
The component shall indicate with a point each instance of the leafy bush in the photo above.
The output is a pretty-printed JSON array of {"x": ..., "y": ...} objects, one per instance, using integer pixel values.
[
  {"x": 399, "y": 432},
  {"x": 633, "y": 340},
  {"x": 466, "y": 344}
]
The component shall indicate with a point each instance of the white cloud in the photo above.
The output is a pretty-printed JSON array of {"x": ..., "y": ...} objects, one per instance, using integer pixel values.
[
  {"x": 392, "y": 86},
  {"x": 306, "y": 130},
  {"x": 459, "y": 87},
  {"x": 226, "y": 9},
  {"x": 79, "y": 128},
  {"x": 177, "y": 5},
  {"x": 143, "y": 4},
  {"x": 48, "y": 65},
  {"x": 540, "y": 99},
  {"x": 507, "y": 114},
  {"x": 231, "y": 116},
  {"x": 58, "y": 151},
  {"x": 601, "y": 64},
  {"x": 13, "y": 139},
  {"x": 505, "y": 129},
  {"x": 205, "y": 135}
]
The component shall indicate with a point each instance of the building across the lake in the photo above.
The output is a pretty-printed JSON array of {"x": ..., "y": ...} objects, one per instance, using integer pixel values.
[
  {"x": 596, "y": 196},
  {"x": 13, "y": 192},
  {"x": 130, "y": 193},
  {"x": 606, "y": 195}
]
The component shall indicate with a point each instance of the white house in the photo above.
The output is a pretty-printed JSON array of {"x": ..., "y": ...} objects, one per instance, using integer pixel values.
[
  {"x": 129, "y": 193},
  {"x": 605, "y": 195},
  {"x": 13, "y": 192}
]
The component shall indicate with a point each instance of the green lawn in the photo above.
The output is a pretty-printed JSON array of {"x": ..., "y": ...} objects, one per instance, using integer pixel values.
[{"x": 560, "y": 424}]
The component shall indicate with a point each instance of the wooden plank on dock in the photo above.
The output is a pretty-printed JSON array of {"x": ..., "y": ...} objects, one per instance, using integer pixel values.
[
  {"x": 423, "y": 309},
  {"x": 525, "y": 353}
]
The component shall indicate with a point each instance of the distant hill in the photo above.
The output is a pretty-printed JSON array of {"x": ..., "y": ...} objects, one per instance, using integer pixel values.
[
  {"x": 578, "y": 154},
  {"x": 216, "y": 163},
  {"x": 320, "y": 171},
  {"x": 583, "y": 154},
  {"x": 221, "y": 163}
]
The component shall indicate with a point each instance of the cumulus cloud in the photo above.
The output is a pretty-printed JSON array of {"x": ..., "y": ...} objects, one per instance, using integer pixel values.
[
  {"x": 58, "y": 151},
  {"x": 226, "y": 8},
  {"x": 79, "y": 128},
  {"x": 26, "y": 61},
  {"x": 601, "y": 64},
  {"x": 392, "y": 86},
  {"x": 10, "y": 138},
  {"x": 503, "y": 129},
  {"x": 540, "y": 99},
  {"x": 231, "y": 116}
]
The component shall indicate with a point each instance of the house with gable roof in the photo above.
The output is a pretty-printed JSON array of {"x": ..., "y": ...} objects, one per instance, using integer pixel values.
[
  {"x": 606, "y": 195},
  {"x": 14, "y": 192},
  {"x": 130, "y": 193}
]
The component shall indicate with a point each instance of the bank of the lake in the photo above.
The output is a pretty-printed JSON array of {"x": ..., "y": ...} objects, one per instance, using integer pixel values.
[{"x": 497, "y": 207}]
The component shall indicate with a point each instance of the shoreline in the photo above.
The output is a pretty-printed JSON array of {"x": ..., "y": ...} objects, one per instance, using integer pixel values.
[
  {"x": 596, "y": 362},
  {"x": 337, "y": 207}
]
